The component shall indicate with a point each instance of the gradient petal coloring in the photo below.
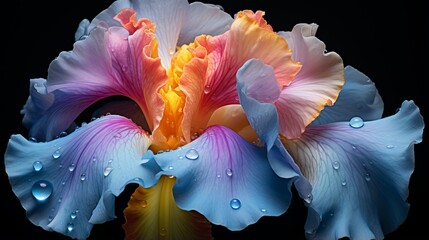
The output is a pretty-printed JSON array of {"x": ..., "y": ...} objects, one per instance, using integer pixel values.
[
  {"x": 152, "y": 214},
  {"x": 360, "y": 174},
  {"x": 263, "y": 118},
  {"x": 70, "y": 183},
  {"x": 177, "y": 21},
  {"x": 317, "y": 84},
  {"x": 225, "y": 178},
  {"x": 359, "y": 97},
  {"x": 107, "y": 63}
]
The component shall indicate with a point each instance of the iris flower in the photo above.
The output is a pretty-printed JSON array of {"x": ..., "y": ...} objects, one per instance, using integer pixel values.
[{"x": 218, "y": 118}]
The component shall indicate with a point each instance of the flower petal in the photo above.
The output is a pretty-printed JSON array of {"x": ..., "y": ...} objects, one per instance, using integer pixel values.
[
  {"x": 226, "y": 179},
  {"x": 249, "y": 37},
  {"x": 360, "y": 176},
  {"x": 359, "y": 97},
  {"x": 37, "y": 103},
  {"x": 70, "y": 183},
  {"x": 152, "y": 214},
  {"x": 177, "y": 21},
  {"x": 263, "y": 118},
  {"x": 203, "y": 19},
  {"x": 107, "y": 63},
  {"x": 316, "y": 85}
]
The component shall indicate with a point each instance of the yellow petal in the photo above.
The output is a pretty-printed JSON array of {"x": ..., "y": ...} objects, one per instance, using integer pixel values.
[{"x": 152, "y": 214}]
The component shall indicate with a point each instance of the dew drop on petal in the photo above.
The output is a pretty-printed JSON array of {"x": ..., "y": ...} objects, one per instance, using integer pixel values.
[
  {"x": 37, "y": 166},
  {"x": 56, "y": 154},
  {"x": 107, "y": 171},
  {"x": 170, "y": 167},
  {"x": 235, "y": 204},
  {"x": 309, "y": 198},
  {"x": 62, "y": 134},
  {"x": 32, "y": 139},
  {"x": 207, "y": 89},
  {"x": 390, "y": 146},
  {"x": 192, "y": 154},
  {"x": 171, "y": 51},
  {"x": 356, "y": 122},
  {"x": 228, "y": 172},
  {"x": 163, "y": 232},
  {"x": 367, "y": 177},
  {"x": 264, "y": 210},
  {"x": 83, "y": 177},
  {"x": 336, "y": 165},
  {"x": 72, "y": 167},
  {"x": 41, "y": 190},
  {"x": 70, "y": 227},
  {"x": 143, "y": 204},
  {"x": 343, "y": 183},
  {"x": 73, "y": 215}
]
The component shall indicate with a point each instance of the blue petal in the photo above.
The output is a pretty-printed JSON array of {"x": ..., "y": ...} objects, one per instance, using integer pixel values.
[
  {"x": 358, "y": 97},
  {"x": 360, "y": 176},
  {"x": 225, "y": 178},
  {"x": 69, "y": 184},
  {"x": 263, "y": 118}
]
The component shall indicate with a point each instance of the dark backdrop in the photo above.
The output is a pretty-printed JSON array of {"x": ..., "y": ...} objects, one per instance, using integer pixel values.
[{"x": 385, "y": 41}]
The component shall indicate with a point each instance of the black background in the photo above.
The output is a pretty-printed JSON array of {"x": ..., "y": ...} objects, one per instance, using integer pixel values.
[{"x": 385, "y": 41}]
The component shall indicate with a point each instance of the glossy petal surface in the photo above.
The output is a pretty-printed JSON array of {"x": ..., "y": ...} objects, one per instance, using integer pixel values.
[
  {"x": 225, "y": 178},
  {"x": 360, "y": 176},
  {"x": 70, "y": 183}
]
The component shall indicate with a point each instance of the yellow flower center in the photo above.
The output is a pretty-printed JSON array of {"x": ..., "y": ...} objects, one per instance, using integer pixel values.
[{"x": 174, "y": 99}]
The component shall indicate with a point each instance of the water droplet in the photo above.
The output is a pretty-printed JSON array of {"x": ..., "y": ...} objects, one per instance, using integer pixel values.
[
  {"x": 367, "y": 177},
  {"x": 63, "y": 183},
  {"x": 170, "y": 167},
  {"x": 49, "y": 218},
  {"x": 41, "y": 190},
  {"x": 94, "y": 159},
  {"x": 192, "y": 154},
  {"x": 32, "y": 139},
  {"x": 356, "y": 122},
  {"x": 235, "y": 204},
  {"x": 344, "y": 183},
  {"x": 110, "y": 161},
  {"x": 390, "y": 146},
  {"x": 83, "y": 177},
  {"x": 56, "y": 154},
  {"x": 207, "y": 89},
  {"x": 264, "y": 210},
  {"x": 180, "y": 157},
  {"x": 163, "y": 232},
  {"x": 143, "y": 203},
  {"x": 171, "y": 51},
  {"x": 170, "y": 176},
  {"x": 72, "y": 167},
  {"x": 70, "y": 227},
  {"x": 331, "y": 214},
  {"x": 145, "y": 160},
  {"x": 124, "y": 68},
  {"x": 60, "y": 200},
  {"x": 62, "y": 134},
  {"x": 73, "y": 215},
  {"x": 107, "y": 171},
  {"x": 228, "y": 172},
  {"x": 354, "y": 147},
  {"x": 218, "y": 176},
  {"x": 336, "y": 165},
  {"x": 37, "y": 166},
  {"x": 309, "y": 198}
]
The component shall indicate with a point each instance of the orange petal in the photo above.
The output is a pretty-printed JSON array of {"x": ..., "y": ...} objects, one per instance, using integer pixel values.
[{"x": 152, "y": 214}]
